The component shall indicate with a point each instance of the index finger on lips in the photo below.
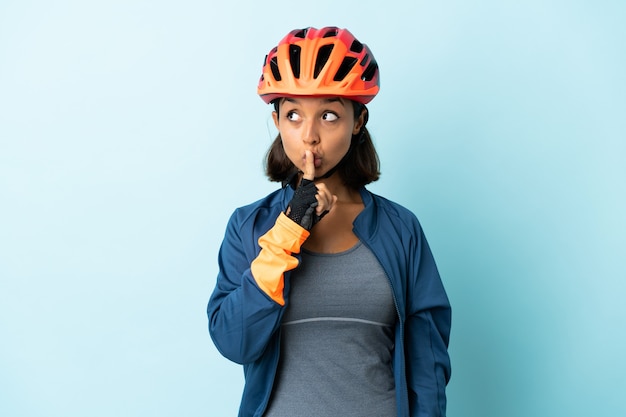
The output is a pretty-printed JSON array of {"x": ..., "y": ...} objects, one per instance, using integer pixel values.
[{"x": 309, "y": 166}]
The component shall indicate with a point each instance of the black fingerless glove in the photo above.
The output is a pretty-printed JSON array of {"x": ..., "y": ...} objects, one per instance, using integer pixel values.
[{"x": 301, "y": 208}]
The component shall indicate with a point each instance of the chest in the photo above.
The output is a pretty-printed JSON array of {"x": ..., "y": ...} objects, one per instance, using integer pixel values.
[{"x": 348, "y": 285}]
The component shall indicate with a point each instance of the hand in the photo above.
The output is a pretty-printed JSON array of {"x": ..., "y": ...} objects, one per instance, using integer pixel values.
[{"x": 309, "y": 203}]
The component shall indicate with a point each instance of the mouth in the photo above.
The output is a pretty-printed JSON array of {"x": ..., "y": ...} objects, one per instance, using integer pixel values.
[{"x": 317, "y": 160}]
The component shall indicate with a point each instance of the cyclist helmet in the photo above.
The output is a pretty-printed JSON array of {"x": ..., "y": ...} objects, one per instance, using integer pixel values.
[{"x": 320, "y": 62}]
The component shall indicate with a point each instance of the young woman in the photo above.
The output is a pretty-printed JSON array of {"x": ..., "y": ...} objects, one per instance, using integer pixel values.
[{"x": 328, "y": 294}]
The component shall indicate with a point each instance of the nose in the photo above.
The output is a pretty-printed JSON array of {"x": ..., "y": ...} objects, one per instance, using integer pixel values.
[{"x": 310, "y": 133}]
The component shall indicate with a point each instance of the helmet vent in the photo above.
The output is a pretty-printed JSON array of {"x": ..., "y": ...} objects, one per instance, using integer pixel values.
[
  {"x": 370, "y": 71},
  {"x": 356, "y": 47},
  {"x": 274, "y": 68},
  {"x": 294, "y": 59},
  {"x": 301, "y": 33},
  {"x": 330, "y": 33},
  {"x": 345, "y": 67},
  {"x": 322, "y": 57},
  {"x": 364, "y": 60}
]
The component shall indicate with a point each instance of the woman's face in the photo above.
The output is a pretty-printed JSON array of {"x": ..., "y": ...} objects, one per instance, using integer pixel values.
[{"x": 322, "y": 125}]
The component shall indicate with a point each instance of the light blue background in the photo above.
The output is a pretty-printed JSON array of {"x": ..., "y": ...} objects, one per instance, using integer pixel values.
[{"x": 130, "y": 130}]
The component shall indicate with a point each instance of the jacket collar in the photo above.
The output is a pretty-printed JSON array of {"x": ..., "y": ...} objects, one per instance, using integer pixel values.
[{"x": 363, "y": 223}]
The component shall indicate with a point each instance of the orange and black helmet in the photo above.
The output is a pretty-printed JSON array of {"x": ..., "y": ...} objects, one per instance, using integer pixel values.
[{"x": 319, "y": 62}]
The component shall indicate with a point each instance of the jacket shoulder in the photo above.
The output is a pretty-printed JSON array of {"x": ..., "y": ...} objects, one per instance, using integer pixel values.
[{"x": 395, "y": 211}]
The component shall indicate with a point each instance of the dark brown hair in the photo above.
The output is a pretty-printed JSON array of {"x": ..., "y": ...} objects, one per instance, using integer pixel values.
[{"x": 359, "y": 167}]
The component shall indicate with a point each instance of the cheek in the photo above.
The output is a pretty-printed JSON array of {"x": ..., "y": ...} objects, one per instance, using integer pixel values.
[
  {"x": 340, "y": 144},
  {"x": 290, "y": 146}
]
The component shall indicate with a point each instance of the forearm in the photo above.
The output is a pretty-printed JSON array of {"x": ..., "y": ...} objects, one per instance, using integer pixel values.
[
  {"x": 246, "y": 306},
  {"x": 428, "y": 362},
  {"x": 276, "y": 256}
]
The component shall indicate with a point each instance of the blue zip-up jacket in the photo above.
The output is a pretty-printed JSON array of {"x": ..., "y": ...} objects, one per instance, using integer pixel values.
[{"x": 244, "y": 321}]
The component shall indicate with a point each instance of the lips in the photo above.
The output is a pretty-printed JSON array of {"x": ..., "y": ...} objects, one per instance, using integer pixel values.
[{"x": 317, "y": 160}]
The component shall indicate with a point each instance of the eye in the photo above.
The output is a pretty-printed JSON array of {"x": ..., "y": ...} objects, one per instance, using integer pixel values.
[
  {"x": 330, "y": 117},
  {"x": 292, "y": 116}
]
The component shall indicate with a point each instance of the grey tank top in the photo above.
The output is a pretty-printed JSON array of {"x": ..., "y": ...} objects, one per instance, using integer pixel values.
[{"x": 337, "y": 339}]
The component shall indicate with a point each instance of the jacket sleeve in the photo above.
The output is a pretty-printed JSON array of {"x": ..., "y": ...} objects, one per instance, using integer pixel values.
[
  {"x": 427, "y": 334},
  {"x": 245, "y": 307},
  {"x": 277, "y": 245}
]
